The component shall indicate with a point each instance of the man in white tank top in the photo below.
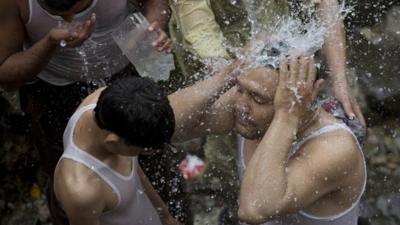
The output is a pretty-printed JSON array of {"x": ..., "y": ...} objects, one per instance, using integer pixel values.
[
  {"x": 303, "y": 166},
  {"x": 298, "y": 164},
  {"x": 98, "y": 179},
  {"x": 60, "y": 77}
]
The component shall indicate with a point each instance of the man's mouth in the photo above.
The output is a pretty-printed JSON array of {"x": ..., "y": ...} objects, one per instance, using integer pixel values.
[{"x": 243, "y": 120}]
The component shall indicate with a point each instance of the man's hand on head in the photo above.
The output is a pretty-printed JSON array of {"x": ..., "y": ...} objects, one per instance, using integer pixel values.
[
  {"x": 297, "y": 88},
  {"x": 162, "y": 43},
  {"x": 73, "y": 35}
]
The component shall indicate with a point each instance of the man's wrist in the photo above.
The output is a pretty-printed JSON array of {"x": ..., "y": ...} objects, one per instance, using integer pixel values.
[
  {"x": 339, "y": 76},
  {"x": 291, "y": 119},
  {"x": 50, "y": 42}
]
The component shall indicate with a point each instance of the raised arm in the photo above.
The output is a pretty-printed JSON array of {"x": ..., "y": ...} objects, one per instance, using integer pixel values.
[
  {"x": 18, "y": 66},
  {"x": 206, "y": 107},
  {"x": 335, "y": 53},
  {"x": 273, "y": 185}
]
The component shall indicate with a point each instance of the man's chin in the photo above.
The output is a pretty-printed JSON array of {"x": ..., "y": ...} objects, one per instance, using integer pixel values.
[{"x": 247, "y": 132}]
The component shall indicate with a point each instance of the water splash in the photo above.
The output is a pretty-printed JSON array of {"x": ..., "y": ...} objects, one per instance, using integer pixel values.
[
  {"x": 292, "y": 36},
  {"x": 289, "y": 36}
]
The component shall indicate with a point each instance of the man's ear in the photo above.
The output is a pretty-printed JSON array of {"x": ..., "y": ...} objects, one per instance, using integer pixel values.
[{"x": 111, "y": 138}]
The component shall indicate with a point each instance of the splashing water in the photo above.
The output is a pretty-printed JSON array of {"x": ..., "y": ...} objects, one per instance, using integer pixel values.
[{"x": 290, "y": 36}]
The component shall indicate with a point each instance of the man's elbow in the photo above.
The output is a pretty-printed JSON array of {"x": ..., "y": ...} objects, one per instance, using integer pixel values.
[
  {"x": 257, "y": 212},
  {"x": 249, "y": 214},
  {"x": 253, "y": 213}
]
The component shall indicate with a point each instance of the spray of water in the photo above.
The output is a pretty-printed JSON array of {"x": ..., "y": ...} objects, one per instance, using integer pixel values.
[{"x": 289, "y": 36}]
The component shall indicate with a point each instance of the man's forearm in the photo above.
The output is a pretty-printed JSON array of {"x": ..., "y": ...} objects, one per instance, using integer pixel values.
[
  {"x": 335, "y": 42},
  {"x": 192, "y": 103},
  {"x": 265, "y": 184},
  {"x": 25, "y": 65}
]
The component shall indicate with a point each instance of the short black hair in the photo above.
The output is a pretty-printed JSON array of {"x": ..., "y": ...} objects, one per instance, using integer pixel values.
[
  {"x": 59, "y": 5},
  {"x": 137, "y": 110}
]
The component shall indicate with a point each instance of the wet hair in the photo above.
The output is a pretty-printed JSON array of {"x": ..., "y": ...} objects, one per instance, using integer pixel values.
[
  {"x": 59, "y": 5},
  {"x": 138, "y": 111}
]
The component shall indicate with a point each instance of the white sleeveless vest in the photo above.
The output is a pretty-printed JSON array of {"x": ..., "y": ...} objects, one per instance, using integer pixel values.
[
  {"x": 133, "y": 207},
  {"x": 98, "y": 57},
  {"x": 348, "y": 217}
]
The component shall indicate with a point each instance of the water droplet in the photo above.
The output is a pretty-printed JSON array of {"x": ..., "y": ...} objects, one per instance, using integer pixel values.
[{"x": 63, "y": 43}]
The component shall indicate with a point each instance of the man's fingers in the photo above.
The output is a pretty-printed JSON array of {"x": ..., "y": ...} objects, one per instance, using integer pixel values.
[
  {"x": 317, "y": 87},
  {"x": 303, "y": 69},
  {"x": 153, "y": 26},
  {"x": 312, "y": 72},
  {"x": 294, "y": 68},
  {"x": 92, "y": 23},
  {"x": 88, "y": 28},
  {"x": 166, "y": 47},
  {"x": 348, "y": 109},
  {"x": 283, "y": 70},
  {"x": 89, "y": 25},
  {"x": 161, "y": 39}
]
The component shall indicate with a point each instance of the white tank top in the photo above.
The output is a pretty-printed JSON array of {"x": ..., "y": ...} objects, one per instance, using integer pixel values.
[
  {"x": 133, "y": 207},
  {"x": 98, "y": 57},
  {"x": 348, "y": 217}
]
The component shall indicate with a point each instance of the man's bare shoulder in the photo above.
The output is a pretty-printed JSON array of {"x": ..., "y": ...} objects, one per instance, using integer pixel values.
[
  {"x": 336, "y": 150},
  {"x": 92, "y": 98},
  {"x": 78, "y": 187}
]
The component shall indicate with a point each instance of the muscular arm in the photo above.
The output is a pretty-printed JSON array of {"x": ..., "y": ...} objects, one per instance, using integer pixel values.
[
  {"x": 16, "y": 65},
  {"x": 274, "y": 186},
  {"x": 200, "y": 110}
]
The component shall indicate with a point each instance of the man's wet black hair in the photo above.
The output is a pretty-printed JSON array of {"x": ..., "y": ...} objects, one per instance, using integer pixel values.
[
  {"x": 59, "y": 5},
  {"x": 137, "y": 110}
]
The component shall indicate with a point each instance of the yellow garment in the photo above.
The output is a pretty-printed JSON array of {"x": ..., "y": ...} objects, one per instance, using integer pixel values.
[{"x": 200, "y": 31}]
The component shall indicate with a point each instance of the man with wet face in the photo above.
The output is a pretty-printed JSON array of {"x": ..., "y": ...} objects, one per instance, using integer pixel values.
[
  {"x": 298, "y": 164},
  {"x": 302, "y": 165},
  {"x": 59, "y": 51}
]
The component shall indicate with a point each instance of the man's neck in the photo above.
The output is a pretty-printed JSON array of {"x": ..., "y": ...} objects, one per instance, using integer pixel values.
[{"x": 315, "y": 121}]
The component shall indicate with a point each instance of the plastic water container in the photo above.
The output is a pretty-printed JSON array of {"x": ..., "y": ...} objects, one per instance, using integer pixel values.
[{"x": 134, "y": 39}]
